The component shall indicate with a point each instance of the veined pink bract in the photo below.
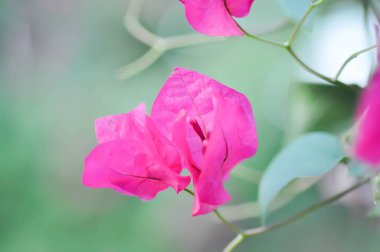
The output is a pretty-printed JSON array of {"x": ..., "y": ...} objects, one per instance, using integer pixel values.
[
  {"x": 215, "y": 17},
  {"x": 212, "y": 125},
  {"x": 133, "y": 157}
]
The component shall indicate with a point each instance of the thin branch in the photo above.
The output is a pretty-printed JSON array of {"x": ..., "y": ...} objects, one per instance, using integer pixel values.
[
  {"x": 248, "y": 210},
  {"x": 159, "y": 45},
  {"x": 353, "y": 56},
  {"x": 220, "y": 216},
  {"x": 265, "y": 229},
  {"x": 288, "y": 47},
  {"x": 132, "y": 24},
  {"x": 234, "y": 243},
  {"x": 307, "y": 211},
  {"x": 255, "y": 37},
  {"x": 314, "y": 72},
  {"x": 299, "y": 25},
  {"x": 192, "y": 39},
  {"x": 141, "y": 63}
]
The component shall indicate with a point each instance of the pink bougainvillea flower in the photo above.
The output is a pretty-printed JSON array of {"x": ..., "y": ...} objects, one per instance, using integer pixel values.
[
  {"x": 133, "y": 157},
  {"x": 367, "y": 147},
  {"x": 215, "y": 17},
  {"x": 212, "y": 125}
]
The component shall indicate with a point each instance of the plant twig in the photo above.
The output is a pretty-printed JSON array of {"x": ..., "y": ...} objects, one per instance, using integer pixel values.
[
  {"x": 288, "y": 47},
  {"x": 265, "y": 229},
  {"x": 132, "y": 24},
  {"x": 159, "y": 45},
  {"x": 353, "y": 56},
  {"x": 299, "y": 25},
  {"x": 220, "y": 216},
  {"x": 234, "y": 243}
]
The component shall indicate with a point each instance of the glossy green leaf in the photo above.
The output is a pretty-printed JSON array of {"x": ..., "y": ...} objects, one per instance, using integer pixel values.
[{"x": 311, "y": 155}]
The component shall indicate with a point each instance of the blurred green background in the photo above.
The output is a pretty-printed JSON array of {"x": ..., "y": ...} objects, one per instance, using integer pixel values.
[{"x": 58, "y": 64}]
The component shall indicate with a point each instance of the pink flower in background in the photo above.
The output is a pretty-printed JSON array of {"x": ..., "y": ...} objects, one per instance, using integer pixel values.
[
  {"x": 212, "y": 125},
  {"x": 133, "y": 157},
  {"x": 367, "y": 147},
  {"x": 215, "y": 17}
]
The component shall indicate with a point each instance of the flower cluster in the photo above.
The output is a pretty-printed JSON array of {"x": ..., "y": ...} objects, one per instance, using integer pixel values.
[
  {"x": 196, "y": 123},
  {"x": 200, "y": 125}
]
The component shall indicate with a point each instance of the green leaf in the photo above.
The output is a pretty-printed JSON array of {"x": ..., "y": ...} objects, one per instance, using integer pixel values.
[
  {"x": 311, "y": 155},
  {"x": 319, "y": 107}
]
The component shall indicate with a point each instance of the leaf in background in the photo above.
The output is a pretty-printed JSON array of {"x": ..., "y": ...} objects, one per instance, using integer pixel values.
[
  {"x": 374, "y": 212},
  {"x": 311, "y": 155},
  {"x": 296, "y": 8},
  {"x": 319, "y": 107},
  {"x": 357, "y": 169}
]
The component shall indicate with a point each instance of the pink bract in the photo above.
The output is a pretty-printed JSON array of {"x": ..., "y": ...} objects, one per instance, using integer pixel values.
[
  {"x": 367, "y": 147},
  {"x": 215, "y": 17},
  {"x": 133, "y": 157},
  {"x": 197, "y": 123},
  {"x": 213, "y": 127}
]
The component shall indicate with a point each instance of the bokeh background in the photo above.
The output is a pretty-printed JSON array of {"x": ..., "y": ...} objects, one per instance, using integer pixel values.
[{"x": 58, "y": 62}]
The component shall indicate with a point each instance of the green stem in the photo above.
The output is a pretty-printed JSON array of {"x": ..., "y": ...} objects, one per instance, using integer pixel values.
[
  {"x": 307, "y": 68},
  {"x": 269, "y": 42},
  {"x": 315, "y": 73},
  {"x": 189, "y": 192},
  {"x": 234, "y": 243},
  {"x": 288, "y": 47},
  {"x": 220, "y": 216},
  {"x": 298, "y": 27},
  {"x": 353, "y": 56},
  {"x": 289, "y": 44},
  {"x": 265, "y": 229},
  {"x": 228, "y": 224},
  {"x": 143, "y": 62}
]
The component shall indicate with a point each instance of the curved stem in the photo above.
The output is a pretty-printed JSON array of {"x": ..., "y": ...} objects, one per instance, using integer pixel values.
[
  {"x": 266, "y": 41},
  {"x": 186, "y": 40},
  {"x": 160, "y": 45},
  {"x": 297, "y": 28},
  {"x": 133, "y": 25},
  {"x": 288, "y": 47},
  {"x": 273, "y": 43},
  {"x": 189, "y": 192},
  {"x": 266, "y": 229},
  {"x": 353, "y": 56},
  {"x": 307, "y": 68},
  {"x": 228, "y": 224},
  {"x": 314, "y": 72},
  {"x": 234, "y": 243},
  {"x": 142, "y": 63},
  {"x": 220, "y": 216},
  {"x": 251, "y": 35},
  {"x": 332, "y": 81}
]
